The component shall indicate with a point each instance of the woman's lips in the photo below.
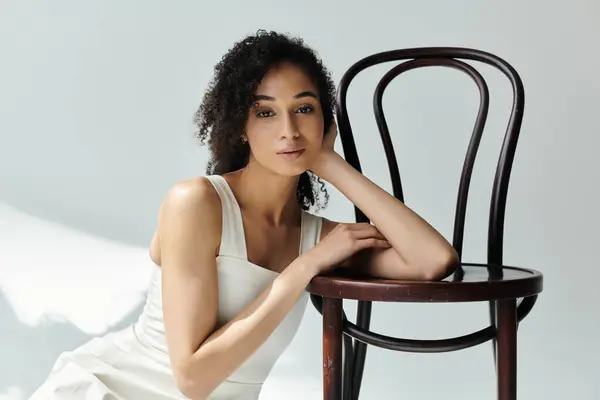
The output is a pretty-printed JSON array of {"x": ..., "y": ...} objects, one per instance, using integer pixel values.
[{"x": 292, "y": 154}]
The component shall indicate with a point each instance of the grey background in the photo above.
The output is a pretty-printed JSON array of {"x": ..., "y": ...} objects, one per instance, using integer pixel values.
[{"x": 96, "y": 104}]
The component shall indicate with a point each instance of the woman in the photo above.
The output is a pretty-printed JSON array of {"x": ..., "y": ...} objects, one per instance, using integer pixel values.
[{"x": 236, "y": 249}]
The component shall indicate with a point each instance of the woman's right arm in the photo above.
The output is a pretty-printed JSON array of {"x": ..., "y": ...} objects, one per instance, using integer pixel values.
[{"x": 202, "y": 357}]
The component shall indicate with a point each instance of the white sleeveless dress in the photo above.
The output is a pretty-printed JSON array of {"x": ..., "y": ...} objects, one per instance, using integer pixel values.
[{"x": 133, "y": 363}]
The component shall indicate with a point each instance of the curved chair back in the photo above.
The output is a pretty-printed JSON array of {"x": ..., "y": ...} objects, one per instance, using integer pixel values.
[{"x": 451, "y": 57}]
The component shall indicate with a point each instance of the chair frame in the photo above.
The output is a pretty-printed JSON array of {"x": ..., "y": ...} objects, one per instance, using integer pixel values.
[{"x": 502, "y": 286}]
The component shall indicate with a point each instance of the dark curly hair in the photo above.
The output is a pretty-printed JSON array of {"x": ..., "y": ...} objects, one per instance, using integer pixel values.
[{"x": 222, "y": 116}]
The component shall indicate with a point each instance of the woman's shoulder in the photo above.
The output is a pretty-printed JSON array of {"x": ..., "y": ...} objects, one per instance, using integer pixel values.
[
  {"x": 193, "y": 202},
  {"x": 192, "y": 193},
  {"x": 190, "y": 207}
]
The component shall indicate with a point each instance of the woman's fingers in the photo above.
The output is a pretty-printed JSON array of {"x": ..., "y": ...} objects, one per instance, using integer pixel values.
[
  {"x": 366, "y": 235},
  {"x": 365, "y": 230},
  {"x": 383, "y": 243},
  {"x": 371, "y": 243}
]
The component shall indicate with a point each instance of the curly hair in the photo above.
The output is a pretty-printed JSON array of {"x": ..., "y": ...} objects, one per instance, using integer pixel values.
[{"x": 224, "y": 110}]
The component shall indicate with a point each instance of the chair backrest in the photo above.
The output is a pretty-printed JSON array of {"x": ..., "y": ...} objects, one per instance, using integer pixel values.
[{"x": 444, "y": 57}]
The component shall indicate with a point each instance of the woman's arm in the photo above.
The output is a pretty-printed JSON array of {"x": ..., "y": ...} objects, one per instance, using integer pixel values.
[
  {"x": 190, "y": 227},
  {"x": 419, "y": 252},
  {"x": 201, "y": 357}
]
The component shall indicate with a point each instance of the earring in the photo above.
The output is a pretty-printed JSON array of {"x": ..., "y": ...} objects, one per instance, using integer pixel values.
[{"x": 244, "y": 140}]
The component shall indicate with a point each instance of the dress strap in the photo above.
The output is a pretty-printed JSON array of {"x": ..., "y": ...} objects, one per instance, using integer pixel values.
[
  {"x": 311, "y": 231},
  {"x": 233, "y": 240}
]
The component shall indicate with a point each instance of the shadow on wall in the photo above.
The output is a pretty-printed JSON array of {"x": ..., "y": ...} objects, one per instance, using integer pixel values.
[{"x": 29, "y": 352}]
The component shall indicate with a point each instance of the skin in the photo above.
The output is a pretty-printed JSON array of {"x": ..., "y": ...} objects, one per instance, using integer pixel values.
[{"x": 399, "y": 244}]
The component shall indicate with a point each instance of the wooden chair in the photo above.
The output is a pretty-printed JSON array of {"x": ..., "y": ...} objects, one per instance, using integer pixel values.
[{"x": 493, "y": 282}]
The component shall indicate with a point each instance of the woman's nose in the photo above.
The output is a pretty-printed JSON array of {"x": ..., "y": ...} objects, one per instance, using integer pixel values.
[{"x": 289, "y": 128}]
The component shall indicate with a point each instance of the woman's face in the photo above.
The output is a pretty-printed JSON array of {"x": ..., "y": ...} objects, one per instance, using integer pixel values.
[{"x": 285, "y": 125}]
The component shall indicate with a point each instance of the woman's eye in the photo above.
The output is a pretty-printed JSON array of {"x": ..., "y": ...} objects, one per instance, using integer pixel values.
[
  {"x": 305, "y": 109},
  {"x": 264, "y": 114}
]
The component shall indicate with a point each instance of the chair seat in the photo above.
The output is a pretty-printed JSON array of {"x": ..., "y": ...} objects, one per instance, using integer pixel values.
[{"x": 480, "y": 282}]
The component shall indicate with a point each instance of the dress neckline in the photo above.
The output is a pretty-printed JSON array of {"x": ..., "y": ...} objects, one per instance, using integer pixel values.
[{"x": 242, "y": 232}]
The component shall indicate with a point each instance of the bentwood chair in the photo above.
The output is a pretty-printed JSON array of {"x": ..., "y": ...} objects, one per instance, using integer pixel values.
[{"x": 511, "y": 291}]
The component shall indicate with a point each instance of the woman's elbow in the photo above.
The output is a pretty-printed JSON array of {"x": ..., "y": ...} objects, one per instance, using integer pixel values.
[
  {"x": 443, "y": 267},
  {"x": 189, "y": 386},
  {"x": 188, "y": 390}
]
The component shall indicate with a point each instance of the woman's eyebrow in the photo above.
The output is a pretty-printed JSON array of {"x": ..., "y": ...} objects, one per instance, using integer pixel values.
[
  {"x": 305, "y": 94},
  {"x": 297, "y": 96}
]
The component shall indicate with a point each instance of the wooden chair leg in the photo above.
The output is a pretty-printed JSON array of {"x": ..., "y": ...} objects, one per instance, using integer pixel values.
[
  {"x": 507, "y": 349},
  {"x": 332, "y": 349}
]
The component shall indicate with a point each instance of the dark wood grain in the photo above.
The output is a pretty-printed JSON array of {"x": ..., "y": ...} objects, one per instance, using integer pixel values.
[
  {"x": 476, "y": 284},
  {"x": 332, "y": 349},
  {"x": 507, "y": 349}
]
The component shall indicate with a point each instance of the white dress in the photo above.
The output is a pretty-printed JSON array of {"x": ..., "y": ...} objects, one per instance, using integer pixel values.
[{"x": 133, "y": 363}]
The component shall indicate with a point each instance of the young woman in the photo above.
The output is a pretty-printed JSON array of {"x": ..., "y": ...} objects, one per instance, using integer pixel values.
[{"x": 236, "y": 249}]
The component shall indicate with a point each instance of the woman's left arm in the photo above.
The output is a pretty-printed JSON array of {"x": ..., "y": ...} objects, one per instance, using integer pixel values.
[{"x": 418, "y": 252}]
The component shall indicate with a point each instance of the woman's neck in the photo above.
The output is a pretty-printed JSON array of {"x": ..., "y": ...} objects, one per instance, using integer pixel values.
[{"x": 266, "y": 194}]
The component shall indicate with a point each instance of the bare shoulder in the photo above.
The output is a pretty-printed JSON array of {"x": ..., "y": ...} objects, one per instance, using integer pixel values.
[
  {"x": 196, "y": 194},
  {"x": 193, "y": 201},
  {"x": 189, "y": 209}
]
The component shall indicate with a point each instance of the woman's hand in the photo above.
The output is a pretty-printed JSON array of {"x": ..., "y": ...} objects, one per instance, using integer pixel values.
[
  {"x": 344, "y": 241},
  {"x": 327, "y": 150},
  {"x": 329, "y": 138}
]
